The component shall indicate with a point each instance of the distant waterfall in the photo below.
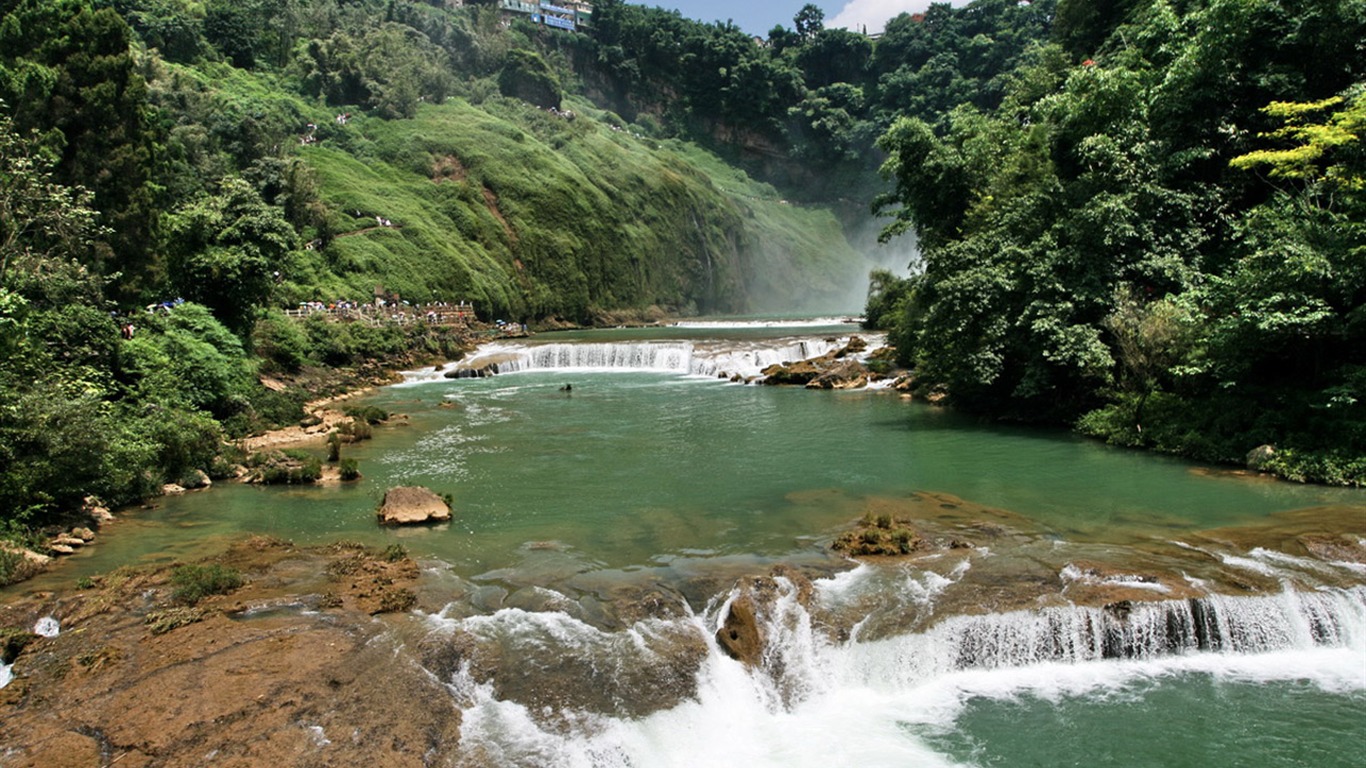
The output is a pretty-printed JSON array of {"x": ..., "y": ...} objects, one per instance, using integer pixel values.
[
  {"x": 661, "y": 357},
  {"x": 712, "y": 359}
]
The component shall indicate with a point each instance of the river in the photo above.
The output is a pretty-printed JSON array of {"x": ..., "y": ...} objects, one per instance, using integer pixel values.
[{"x": 601, "y": 531}]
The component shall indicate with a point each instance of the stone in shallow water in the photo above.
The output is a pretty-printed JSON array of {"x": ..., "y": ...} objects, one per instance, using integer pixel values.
[{"x": 408, "y": 505}]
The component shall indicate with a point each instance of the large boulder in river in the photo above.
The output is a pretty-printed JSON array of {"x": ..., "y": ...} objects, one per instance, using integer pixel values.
[
  {"x": 836, "y": 369},
  {"x": 799, "y": 373},
  {"x": 846, "y": 374},
  {"x": 754, "y": 611},
  {"x": 410, "y": 505}
]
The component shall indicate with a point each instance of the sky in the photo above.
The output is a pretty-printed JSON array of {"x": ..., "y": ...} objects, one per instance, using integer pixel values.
[{"x": 759, "y": 16}]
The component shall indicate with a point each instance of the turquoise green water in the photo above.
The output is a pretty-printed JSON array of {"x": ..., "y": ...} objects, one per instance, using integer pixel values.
[
  {"x": 637, "y": 469},
  {"x": 660, "y": 476},
  {"x": 1188, "y": 721}
]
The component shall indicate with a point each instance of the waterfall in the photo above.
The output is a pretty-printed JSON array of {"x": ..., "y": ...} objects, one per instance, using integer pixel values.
[
  {"x": 1148, "y": 630},
  {"x": 710, "y": 359},
  {"x": 660, "y": 357},
  {"x": 813, "y": 697}
]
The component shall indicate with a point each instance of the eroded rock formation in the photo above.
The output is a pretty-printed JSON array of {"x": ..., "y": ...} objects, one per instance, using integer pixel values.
[{"x": 412, "y": 505}]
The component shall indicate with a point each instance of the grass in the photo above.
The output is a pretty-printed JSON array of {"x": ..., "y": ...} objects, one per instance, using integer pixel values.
[
  {"x": 531, "y": 215},
  {"x": 193, "y": 583}
]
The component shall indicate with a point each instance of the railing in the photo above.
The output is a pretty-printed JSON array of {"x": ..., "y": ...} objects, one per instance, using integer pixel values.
[{"x": 432, "y": 314}]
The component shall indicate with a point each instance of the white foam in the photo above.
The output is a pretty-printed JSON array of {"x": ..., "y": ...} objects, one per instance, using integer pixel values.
[
  {"x": 1071, "y": 573},
  {"x": 867, "y": 702},
  {"x": 47, "y": 627},
  {"x": 6, "y": 674},
  {"x": 700, "y": 358}
]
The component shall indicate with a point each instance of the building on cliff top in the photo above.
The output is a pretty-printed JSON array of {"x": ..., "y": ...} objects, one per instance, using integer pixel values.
[{"x": 569, "y": 15}]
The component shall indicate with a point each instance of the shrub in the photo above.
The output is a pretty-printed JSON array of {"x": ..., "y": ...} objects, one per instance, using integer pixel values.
[
  {"x": 368, "y": 413},
  {"x": 355, "y": 430},
  {"x": 350, "y": 470},
  {"x": 310, "y": 472},
  {"x": 195, "y": 582},
  {"x": 394, "y": 552},
  {"x": 333, "y": 447},
  {"x": 14, "y": 567},
  {"x": 904, "y": 540},
  {"x": 281, "y": 343}
]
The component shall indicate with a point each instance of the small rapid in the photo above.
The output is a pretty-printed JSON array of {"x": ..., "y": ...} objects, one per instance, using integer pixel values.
[{"x": 818, "y": 697}]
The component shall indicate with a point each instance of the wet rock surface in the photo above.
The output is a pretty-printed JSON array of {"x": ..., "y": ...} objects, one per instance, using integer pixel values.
[
  {"x": 413, "y": 505},
  {"x": 239, "y": 687},
  {"x": 838, "y": 369}
]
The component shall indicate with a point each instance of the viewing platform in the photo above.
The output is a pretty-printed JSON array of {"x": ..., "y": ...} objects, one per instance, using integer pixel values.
[{"x": 435, "y": 313}]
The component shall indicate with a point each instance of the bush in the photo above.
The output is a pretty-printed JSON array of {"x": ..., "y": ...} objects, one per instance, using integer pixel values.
[
  {"x": 184, "y": 440},
  {"x": 355, "y": 430},
  {"x": 195, "y": 582},
  {"x": 350, "y": 470},
  {"x": 14, "y": 567},
  {"x": 281, "y": 343},
  {"x": 368, "y": 413}
]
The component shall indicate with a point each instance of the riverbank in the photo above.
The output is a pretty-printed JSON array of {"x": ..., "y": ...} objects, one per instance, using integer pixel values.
[
  {"x": 307, "y": 657},
  {"x": 342, "y": 655}
]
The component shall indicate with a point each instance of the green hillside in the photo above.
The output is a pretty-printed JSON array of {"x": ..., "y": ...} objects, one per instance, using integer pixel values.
[{"x": 532, "y": 215}]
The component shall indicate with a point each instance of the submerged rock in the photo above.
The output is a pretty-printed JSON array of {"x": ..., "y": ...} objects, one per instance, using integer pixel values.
[{"x": 410, "y": 505}]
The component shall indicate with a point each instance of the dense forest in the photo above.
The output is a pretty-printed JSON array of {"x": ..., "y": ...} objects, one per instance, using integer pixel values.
[
  {"x": 1143, "y": 218},
  {"x": 1158, "y": 234}
]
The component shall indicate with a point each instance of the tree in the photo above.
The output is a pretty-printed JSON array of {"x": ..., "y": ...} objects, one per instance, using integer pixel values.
[
  {"x": 809, "y": 21},
  {"x": 68, "y": 73},
  {"x": 229, "y": 247}
]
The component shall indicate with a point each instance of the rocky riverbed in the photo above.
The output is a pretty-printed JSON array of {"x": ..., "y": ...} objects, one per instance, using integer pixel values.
[
  {"x": 304, "y": 664},
  {"x": 341, "y": 655}
]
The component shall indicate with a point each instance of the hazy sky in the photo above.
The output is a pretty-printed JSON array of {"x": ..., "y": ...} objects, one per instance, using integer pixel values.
[{"x": 759, "y": 16}]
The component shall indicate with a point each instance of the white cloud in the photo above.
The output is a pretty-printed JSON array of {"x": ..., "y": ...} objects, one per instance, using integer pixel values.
[{"x": 874, "y": 14}]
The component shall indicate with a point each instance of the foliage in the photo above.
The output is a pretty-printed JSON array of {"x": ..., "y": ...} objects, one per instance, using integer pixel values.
[
  {"x": 229, "y": 248},
  {"x": 193, "y": 583},
  {"x": 1096, "y": 251},
  {"x": 350, "y": 470}
]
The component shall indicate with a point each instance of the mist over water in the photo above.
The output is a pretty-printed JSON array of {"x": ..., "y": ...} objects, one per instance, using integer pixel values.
[{"x": 846, "y": 290}]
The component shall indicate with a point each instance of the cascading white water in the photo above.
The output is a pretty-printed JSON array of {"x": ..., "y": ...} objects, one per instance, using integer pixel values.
[
  {"x": 661, "y": 357},
  {"x": 744, "y": 359},
  {"x": 813, "y": 697}
]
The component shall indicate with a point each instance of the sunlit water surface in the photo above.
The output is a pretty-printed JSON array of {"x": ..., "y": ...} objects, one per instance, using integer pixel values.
[{"x": 654, "y": 469}]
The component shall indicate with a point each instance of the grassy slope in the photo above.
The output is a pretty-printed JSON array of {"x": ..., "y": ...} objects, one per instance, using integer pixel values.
[{"x": 532, "y": 215}]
